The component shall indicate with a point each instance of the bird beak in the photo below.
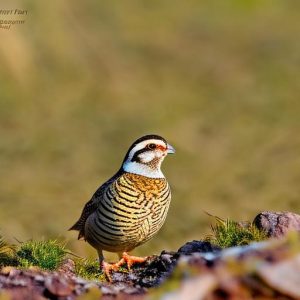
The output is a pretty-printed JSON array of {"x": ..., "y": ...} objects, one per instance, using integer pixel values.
[{"x": 170, "y": 149}]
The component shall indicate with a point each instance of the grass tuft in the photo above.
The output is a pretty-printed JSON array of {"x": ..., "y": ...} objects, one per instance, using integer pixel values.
[
  {"x": 228, "y": 233},
  {"x": 47, "y": 255},
  {"x": 89, "y": 269}
]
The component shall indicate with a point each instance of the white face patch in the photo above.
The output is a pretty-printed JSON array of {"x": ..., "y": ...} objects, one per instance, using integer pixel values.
[
  {"x": 142, "y": 145},
  {"x": 141, "y": 167},
  {"x": 147, "y": 156}
]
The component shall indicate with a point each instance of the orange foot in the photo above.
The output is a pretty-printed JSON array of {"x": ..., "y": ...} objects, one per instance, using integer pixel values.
[
  {"x": 107, "y": 268},
  {"x": 130, "y": 260},
  {"x": 126, "y": 259}
]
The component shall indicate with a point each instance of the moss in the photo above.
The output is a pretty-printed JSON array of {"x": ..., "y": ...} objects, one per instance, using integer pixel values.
[
  {"x": 47, "y": 255},
  {"x": 89, "y": 269},
  {"x": 228, "y": 233}
]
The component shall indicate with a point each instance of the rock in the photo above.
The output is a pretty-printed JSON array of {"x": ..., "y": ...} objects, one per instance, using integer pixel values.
[
  {"x": 158, "y": 269},
  {"x": 265, "y": 270},
  {"x": 283, "y": 276},
  {"x": 67, "y": 267},
  {"x": 277, "y": 224},
  {"x": 59, "y": 285},
  {"x": 197, "y": 247}
]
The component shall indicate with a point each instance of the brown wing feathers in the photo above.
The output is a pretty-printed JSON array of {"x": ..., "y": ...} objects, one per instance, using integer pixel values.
[
  {"x": 91, "y": 206},
  {"x": 88, "y": 209}
]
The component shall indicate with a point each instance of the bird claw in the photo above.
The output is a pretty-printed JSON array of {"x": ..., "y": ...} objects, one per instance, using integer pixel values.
[
  {"x": 107, "y": 268},
  {"x": 131, "y": 260},
  {"x": 126, "y": 259}
]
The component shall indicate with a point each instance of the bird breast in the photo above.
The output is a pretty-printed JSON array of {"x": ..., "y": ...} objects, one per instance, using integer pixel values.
[{"x": 132, "y": 210}]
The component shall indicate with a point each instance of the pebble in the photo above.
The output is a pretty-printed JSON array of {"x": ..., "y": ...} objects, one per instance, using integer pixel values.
[{"x": 59, "y": 285}]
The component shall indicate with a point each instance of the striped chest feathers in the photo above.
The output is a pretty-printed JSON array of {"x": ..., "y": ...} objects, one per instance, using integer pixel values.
[
  {"x": 136, "y": 196},
  {"x": 132, "y": 210}
]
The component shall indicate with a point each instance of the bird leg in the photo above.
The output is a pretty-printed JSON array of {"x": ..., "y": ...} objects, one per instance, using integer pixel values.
[{"x": 106, "y": 267}]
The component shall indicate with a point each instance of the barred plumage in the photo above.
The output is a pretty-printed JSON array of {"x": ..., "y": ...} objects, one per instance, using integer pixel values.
[
  {"x": 131, "y": 207},
  {"x": 132, "y": 210}
]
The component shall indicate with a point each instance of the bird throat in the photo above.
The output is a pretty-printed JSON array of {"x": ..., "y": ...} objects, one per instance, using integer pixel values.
[{"x": 151, "y": 169}]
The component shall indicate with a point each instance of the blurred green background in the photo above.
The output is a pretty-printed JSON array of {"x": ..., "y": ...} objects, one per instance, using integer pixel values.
[{"x": 80, "y": 81}]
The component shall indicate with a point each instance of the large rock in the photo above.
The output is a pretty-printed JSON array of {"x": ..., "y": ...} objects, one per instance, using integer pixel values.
[{"x": 277, "y": 224}]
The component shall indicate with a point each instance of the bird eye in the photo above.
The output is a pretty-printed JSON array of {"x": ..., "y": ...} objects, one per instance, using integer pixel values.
[{"x": 151, "y": 146}]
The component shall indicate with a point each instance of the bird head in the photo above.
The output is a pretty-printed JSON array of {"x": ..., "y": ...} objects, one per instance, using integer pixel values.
[{"x": 145, "y": 156}]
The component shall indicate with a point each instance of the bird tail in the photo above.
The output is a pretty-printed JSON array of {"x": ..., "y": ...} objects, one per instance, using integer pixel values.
[{"x": 78, "y": 226}]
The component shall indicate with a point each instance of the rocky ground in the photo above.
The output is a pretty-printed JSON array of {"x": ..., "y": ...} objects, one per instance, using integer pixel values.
[{"x": 198, "y": 270}]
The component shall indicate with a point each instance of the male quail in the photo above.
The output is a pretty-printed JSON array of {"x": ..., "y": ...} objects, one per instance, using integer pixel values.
[{"x": 131, "y": 207}]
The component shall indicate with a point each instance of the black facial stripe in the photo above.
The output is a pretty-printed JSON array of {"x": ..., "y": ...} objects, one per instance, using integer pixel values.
[{"x": 137, "y": 153}]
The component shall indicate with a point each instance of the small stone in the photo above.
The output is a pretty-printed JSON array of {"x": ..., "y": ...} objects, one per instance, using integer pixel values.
[
  {"x": 277, "y": 224},
  {"x": 167, "y": 258},
  {"x": 39, "y": 278},
  {"x": 67, "y": 267},
  {"x": 19, "y": 282},
  {"x": 59, "y": 285}
]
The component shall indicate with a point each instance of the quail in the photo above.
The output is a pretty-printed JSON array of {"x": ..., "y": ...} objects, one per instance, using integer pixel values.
[{"x": 129, "y": 208}]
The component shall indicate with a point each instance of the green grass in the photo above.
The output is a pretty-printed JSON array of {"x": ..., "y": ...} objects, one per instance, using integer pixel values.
[
  {"x": 47, "y": 255},
  {"x": 89, "y": 269},
  {"x": 228, "y": 233}
]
